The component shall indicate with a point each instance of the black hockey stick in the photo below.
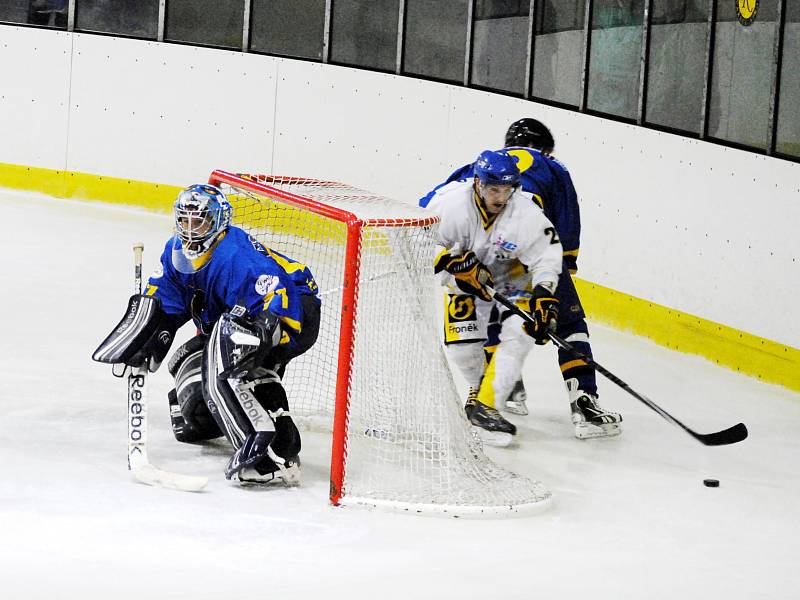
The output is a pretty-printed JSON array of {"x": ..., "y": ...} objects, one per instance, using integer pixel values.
[{"x": 732, "y": 435}]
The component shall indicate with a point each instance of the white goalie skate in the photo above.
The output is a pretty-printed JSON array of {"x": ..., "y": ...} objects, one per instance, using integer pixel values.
[{"x": 287, "y": 472}]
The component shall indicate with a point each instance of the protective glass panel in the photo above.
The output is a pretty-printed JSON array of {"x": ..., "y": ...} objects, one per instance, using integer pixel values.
[
  {"x": 741, "y": 75},
  {"x": 788, "y": 134},
  {"x": 614, "y": 57},
  {"x": 135, "y": 18},
  {"x": 558, "y": 50},
  {"x": 205, "y": 22},
  {"x": 499, "y": 44},
  {"x": 365, "y": 33},
  {"x": 675, "y": 68},
  {"x": 435, "y": 38},
  {"x": 288, "y": 27},
  {"x": 44, "y": 13}
]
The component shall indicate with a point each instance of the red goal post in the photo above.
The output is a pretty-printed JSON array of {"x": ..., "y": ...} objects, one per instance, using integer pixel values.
[{"x": 400, "y": 439}]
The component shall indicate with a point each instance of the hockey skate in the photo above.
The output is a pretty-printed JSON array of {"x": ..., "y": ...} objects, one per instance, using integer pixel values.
[
  {"x": 591, "y": 420},
  {"x": 516, "y": 402},
  {"x": 285, "y": 471},
  {"x": 490, "y": 425}
]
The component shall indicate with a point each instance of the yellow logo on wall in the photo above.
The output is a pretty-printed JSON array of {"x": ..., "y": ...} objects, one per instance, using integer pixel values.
[{"x": 746, "y": 11}]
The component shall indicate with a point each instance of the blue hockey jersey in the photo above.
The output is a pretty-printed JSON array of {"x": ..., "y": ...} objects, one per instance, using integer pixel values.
[
  {"x": 238, "y": 270},
  {"x": 552, "y": 188}
]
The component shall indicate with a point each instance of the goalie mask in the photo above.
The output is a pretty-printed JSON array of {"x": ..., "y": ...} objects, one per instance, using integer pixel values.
[{"x": 202, "y": 214}]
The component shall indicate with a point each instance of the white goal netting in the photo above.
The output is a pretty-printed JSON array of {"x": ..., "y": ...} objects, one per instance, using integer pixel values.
[{"x": 403, "y": 439}]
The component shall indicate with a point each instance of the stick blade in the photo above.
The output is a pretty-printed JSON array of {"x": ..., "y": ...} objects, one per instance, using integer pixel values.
[
  {"x": 149, "y": 475},
  {"x": 732, "y": 435}
]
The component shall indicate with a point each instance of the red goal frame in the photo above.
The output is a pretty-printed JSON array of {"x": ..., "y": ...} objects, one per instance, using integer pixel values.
[{"x": 350, "y": 285}]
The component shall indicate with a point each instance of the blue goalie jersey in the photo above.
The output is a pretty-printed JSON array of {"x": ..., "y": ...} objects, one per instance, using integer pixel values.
[
  {"x": 552, "y": 188},
  {"x": 239, "y": 270}
]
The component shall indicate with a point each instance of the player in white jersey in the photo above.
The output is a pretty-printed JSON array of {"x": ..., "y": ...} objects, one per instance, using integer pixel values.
[{"x": 494, "y": 235}]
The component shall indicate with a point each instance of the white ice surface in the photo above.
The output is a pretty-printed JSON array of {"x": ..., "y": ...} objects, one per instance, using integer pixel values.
[{"x": 631, "y": 517}]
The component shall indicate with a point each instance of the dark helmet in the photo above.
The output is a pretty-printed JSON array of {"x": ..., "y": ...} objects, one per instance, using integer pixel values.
[
  {"x": 530, "y": 133},
  {"x": 496, "y": 168}
]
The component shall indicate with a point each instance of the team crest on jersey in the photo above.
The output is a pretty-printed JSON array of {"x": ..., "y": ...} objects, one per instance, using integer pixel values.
[
  {"x": 266, "y": 284},
  {"x": 461, "y": 308},
  {"x": 504, "y": 245},
  {"x": 460, "y": 319}
]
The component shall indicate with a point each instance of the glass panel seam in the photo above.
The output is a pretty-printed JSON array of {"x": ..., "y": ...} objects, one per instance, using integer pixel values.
[
  {"x": 162, "y": 19},
  {"x": 643, "y": 58},
  {"x": 401, "y": 33},
  {"x": 246, "y": 18},
  {"x": 526, "y": 92},
  {"x": 777, "y": 52},
  {"x": 326, "y": 32},
  {"x": 71, "y": 15},
  {"x": 468, "y": 52},
  {"x": 710, "y": 30},
  {"x": 587, "y": 26}
]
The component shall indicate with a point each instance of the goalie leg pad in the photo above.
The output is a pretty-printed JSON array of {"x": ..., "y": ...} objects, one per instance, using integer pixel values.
[
  {"x": 221, "y": 398},
  {"x": 192, "y": 421}
]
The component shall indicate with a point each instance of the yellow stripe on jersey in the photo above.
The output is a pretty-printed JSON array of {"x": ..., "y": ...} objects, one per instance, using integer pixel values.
[
  {"x": 486, "y": 219},
  {"x": 151, "y": 289},
  {"x": 280, "y": 292},
  {"x": 296, "y": 325},
  {"x": 287, "y": 265},
  {"x": 573, "y": 364},
  {"x": 538, "y": 199}
]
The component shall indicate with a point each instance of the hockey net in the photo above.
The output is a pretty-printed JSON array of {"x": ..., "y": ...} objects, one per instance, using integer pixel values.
[{"x": 377, "y": 378}]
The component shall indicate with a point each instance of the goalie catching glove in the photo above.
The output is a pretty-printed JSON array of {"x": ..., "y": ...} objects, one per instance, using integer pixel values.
[
  {"x": 544, "y": 309},
  {"x": 472, "y": 276}
]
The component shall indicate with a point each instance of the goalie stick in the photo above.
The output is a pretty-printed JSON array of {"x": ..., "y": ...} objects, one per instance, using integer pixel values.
[
  {"x": 732, "y": 435},
  {"x": 138, "y": 463}
]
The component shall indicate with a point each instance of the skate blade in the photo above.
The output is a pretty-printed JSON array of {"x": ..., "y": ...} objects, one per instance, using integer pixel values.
[
  {"x": 288, "y": 477},
  {"x": 498, "y": 439},
  {"x": 516, "y": 408},
  {"x": 586, "y": 431}
]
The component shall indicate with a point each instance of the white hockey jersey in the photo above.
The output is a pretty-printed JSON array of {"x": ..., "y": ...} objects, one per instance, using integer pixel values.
[{"x": 519, "y": 246}]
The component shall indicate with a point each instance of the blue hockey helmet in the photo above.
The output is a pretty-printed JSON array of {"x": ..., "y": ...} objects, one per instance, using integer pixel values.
[
  {"x": 202, "y": 213},
  {"x": 496, "y": 168}
]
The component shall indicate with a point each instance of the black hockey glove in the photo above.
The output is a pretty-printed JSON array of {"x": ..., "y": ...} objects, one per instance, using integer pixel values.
[
  {"x": 472, "y": 276},
  {"x": 544, "y": 309}
]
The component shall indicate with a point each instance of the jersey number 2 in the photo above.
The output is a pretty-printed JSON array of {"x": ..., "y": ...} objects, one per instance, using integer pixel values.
[{"x": 551, "y": 231}]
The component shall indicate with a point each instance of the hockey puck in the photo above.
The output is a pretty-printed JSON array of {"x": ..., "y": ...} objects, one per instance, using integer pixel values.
[{"x": 711, "y": 482}]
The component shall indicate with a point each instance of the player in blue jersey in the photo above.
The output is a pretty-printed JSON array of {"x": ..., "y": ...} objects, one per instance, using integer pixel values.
[
  {"x": 255, "y": 310},
  {"x": 531, "y": 144}
]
